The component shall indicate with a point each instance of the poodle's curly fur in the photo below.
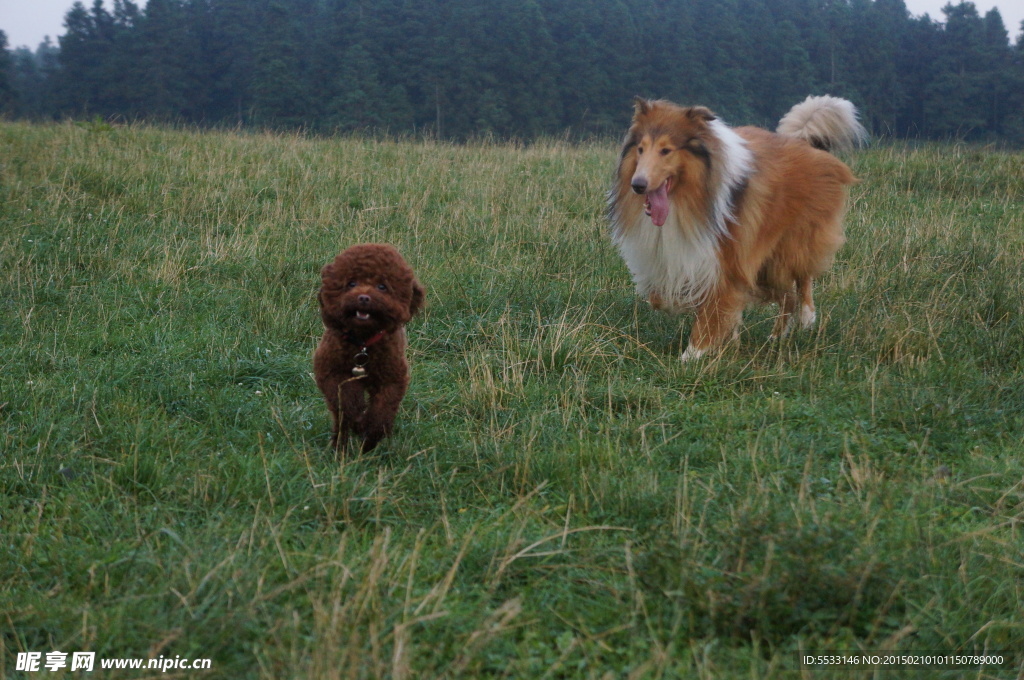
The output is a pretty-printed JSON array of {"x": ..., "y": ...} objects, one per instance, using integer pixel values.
[{"x": 368, "y": 294}]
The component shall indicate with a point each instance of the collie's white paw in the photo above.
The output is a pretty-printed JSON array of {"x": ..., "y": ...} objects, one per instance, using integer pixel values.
[
  {"x": 691, "y": 354},
  {"x": 807, "y": 316}
]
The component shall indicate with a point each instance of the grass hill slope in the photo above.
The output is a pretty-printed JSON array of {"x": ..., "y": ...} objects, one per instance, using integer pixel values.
[{"x": 562, "y": 498}]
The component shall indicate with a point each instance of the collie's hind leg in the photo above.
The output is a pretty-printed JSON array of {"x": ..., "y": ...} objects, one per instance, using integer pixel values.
[
  {"x": 807, "y": 313},
  {"x": 787, "y": 302}
]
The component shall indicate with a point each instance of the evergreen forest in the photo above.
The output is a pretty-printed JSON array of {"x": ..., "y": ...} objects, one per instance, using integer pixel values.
[{"x": 456, "y": 69}]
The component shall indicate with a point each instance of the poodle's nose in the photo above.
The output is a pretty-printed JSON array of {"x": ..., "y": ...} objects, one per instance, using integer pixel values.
[{"x": 364, "y": 299}]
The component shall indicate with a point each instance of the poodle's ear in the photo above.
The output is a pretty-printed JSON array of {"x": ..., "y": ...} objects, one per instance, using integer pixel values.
[
  {"x": 419, "y": 294},
  {"x": 327, "y": 273}
]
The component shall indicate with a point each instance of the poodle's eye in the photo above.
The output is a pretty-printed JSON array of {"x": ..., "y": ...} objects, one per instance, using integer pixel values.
[
  {"x": 352, "y": 284},
  {"x": 381, "y": 287}
]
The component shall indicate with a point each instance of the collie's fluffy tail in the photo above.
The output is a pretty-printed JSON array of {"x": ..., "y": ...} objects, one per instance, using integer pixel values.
[{"x": 827, "y": 123}]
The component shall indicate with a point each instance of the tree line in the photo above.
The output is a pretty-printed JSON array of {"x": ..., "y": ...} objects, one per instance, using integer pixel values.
[{"x": 519, "y": 68}]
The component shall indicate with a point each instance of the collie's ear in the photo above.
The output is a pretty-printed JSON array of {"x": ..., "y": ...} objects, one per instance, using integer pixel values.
[
  {"x": 701, "y": 113},
  {"x": 641, "y": 106},
  {"x": 418, "y": 297}
]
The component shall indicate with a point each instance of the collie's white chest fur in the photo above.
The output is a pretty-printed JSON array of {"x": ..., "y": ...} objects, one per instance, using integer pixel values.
[{"x": 678, "y": 262}]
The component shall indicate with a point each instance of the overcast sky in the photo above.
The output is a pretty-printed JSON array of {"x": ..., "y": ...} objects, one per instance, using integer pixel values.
[{"x": 26, "y": 21}]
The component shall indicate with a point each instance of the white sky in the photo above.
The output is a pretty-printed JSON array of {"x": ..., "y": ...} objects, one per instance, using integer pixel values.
[
  {"x": 1012, "y": 11},
  {"x": 26, "y": 21}
]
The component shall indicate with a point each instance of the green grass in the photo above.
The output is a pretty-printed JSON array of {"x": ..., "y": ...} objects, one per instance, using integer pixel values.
[{"x": 562, "y": 497}]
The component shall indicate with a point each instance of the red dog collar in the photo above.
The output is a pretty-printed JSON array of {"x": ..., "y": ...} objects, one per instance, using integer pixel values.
[
  {"x": 369, "y": 342},
  {"x": 375, "y": 339}
]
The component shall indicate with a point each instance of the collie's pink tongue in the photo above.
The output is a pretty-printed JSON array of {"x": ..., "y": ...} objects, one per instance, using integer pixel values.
[{"x": 657, "y": 205}]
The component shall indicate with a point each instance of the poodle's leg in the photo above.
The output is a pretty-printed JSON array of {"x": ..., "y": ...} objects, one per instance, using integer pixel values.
[
  {"x": 380, "y": 416},
  {"x": 330, "y": 387},
  {"x": 353, "y": 407}
]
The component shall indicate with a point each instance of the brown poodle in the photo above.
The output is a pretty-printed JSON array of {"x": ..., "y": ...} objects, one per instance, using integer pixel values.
[{"x": 367, "y": 296}]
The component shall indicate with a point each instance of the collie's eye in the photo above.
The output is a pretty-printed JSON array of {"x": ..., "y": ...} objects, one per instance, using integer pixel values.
[
  {"x": 640, "y": 150},
  {"x": 666, "y": 151}
]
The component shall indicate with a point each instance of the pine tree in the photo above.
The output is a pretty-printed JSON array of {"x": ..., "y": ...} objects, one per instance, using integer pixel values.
[
  {"x": 920, "y": 67},
  {"x": 80, "y": 78},
  {"x": 728, "y": 52},
  {"x": 786, "y": 75},
  {"x": 357, "y": 103},
  {"x": 279, "y": 94},
  {"x": 229, "y": 31},
  {"x": 7, "y": 92},
  {"x": 168, "y": 53},
  {"x": 996, "y": 74},
  {"x": 952, "y": 95}
]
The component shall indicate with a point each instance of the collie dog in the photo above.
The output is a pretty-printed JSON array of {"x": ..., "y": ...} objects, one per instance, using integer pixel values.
[{"x": 709, "y": 217}]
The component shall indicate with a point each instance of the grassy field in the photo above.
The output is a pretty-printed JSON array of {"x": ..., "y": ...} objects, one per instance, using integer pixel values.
[{"x": 562, "y": 497}]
